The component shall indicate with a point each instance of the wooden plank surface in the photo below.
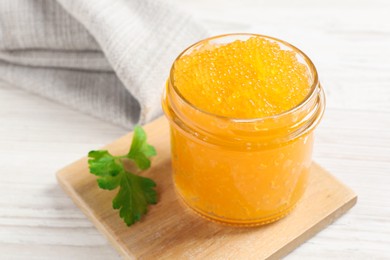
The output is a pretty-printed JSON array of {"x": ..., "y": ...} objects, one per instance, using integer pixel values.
[{"x": 172, "y": 231}]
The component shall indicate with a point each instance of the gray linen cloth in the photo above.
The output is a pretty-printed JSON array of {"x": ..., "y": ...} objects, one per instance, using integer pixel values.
[{"x": 106, "y": 58}]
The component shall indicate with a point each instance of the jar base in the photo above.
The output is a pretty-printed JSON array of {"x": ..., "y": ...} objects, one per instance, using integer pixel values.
[{"x": 238, "y": 223}]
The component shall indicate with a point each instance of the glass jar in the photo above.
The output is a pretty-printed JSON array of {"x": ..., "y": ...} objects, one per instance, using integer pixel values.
[{"x": 242, "y": 171}]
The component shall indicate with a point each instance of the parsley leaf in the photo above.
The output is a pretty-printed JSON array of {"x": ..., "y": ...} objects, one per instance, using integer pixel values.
[
  {"x": 135, "y": 192},
  {"x": 132, "y": 205},
  {"x": 140, "y": 150}
]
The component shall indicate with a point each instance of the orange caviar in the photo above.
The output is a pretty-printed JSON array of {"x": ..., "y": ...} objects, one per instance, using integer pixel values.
[
  {"x": 242, "y": 110},
  {"x": 243, "y": 79}
]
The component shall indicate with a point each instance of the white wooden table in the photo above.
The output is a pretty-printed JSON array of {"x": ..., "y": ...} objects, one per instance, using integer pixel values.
[{"x": 349, "y": 41}]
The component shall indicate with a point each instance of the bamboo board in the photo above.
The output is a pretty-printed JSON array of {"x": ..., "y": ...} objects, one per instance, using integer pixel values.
[{"x": 172, "y": 231}]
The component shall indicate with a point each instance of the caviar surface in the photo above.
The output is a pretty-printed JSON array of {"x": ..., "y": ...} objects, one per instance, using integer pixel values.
[{"x": 242, "y": 79}]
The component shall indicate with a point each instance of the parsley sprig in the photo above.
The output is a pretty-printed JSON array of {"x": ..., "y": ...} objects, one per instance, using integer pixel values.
[{"x": 135, "y": 192}]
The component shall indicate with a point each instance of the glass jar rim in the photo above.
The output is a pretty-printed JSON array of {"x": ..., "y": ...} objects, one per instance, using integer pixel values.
[{"x": 314, "y": 86}]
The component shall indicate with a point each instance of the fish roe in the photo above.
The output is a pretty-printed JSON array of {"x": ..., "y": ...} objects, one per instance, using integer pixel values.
[
  {"x": 238, "y": 157},
  {"x": 242, "y": 79}
]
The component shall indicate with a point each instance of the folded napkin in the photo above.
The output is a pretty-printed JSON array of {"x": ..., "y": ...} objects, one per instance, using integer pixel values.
[{"x": 106, "y": 58}]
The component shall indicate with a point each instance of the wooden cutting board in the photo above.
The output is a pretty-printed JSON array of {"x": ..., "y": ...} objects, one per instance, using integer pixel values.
[{"x": 172, "y": 231}]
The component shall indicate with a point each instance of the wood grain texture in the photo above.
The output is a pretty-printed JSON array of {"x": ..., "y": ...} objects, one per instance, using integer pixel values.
[
  {"x": 349, "y": 43},
  {"x": 171, "y": 230}
]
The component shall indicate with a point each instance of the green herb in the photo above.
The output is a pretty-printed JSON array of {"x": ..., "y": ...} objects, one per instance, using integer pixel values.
[{"x": 135, "y": 192}]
